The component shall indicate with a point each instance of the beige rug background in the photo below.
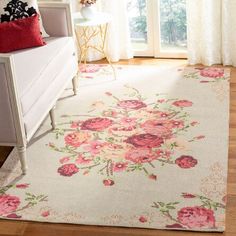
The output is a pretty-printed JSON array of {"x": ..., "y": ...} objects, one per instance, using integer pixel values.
[{"x": 84, "y": 199}]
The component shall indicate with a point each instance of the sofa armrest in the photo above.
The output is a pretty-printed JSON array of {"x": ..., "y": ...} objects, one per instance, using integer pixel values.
[
  {"x": 57, "y": 18},
  {"x": 12, "y": 130}
]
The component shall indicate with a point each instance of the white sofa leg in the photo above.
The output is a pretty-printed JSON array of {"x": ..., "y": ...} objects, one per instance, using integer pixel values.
[
  {"x": 22, "y": 155},
  {"x": 75, "y": 85},
  {"x": 52, "y": 117}
]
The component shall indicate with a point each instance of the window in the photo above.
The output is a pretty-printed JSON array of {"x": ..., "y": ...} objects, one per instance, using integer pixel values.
[{"x": 158, "y": 27}]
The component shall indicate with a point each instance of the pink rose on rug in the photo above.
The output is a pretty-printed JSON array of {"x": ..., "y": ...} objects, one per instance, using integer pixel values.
[
  {"x": 132, "y": 104},
  {"x": 108, "y": 182},
  {"x": 182, "y": 103},
  {"x": 68, "y": 170},
  {"x": 22, "y": 186},
  {"x": 186, "y": 162},
  {"x": 94, "y": 147},
  {"x": 76, "y": 139},
  {"x": 145, "y": 140},
  {"x": 161, "y": 128},
  {"x": 96, "y": 124},
  {"x": 120, "y": 166},
  {"x": 82, "y": 160},
  {"x": 89, "y": 68},
  {"x": 8, "y": 204},
  {"x": 212, "y": 72},
  {"x": 196, "y": 217},
  {"x": 143, "y": 219},
  {"x": 140, "y": 155}
]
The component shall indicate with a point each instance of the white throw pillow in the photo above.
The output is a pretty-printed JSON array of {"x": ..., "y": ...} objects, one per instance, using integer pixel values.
[{"x": 16, "y": 9}]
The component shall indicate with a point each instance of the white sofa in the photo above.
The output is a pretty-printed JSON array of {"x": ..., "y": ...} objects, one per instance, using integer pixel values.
[{"x": 32, "y": 80}]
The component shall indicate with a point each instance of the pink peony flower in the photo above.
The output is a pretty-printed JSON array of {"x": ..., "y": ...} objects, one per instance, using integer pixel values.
[
  {"x": 22, "y": 186},
  {"x": 94, "y": 147},
  {"x": 108, "y": 182},
  {"x": 89, "y": 68},
  {"x": 68, "y": 170},
  {"x": 63, "y": 160},
  {"x": 182, "y": 103},
  {"x": 76, "y": 139},
  {"x": 214, "y": 73},
  {"x": 96, "y": 124},
  {"x": 186, "y": 162},
  {"x": 132, "y": 104},
  {"x": 161, "y": 128},
  {"x": 196, "y": 217},
  {"x": 8, "y": 204},
  {"x": 82, "y": 160},
  {"x": 188, "y": 195},
  {"x": 143, "y": 219},
  {"x": 120, "y": 166},
  {"x": 140, "y": 155},
  {"x": 45, "y": 213},
  {"x": 145, "y": 140}
]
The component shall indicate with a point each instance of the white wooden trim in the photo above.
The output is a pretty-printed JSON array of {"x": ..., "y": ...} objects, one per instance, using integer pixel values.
[
  {"x": 7, "y": 60},
  {"x": 63, "y": 5}
]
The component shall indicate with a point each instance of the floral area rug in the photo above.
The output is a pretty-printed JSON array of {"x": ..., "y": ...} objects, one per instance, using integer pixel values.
[{"x": 148, "y": 150}]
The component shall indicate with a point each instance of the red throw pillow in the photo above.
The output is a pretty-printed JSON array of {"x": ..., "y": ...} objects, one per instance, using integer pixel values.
[{"x": 20, "y": 34}]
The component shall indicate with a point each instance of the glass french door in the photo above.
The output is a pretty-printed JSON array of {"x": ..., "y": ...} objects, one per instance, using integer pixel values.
[{"x": 158, "y": 27}]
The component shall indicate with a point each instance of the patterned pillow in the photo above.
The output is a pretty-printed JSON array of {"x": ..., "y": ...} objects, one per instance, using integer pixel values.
[{"x": 17, "y": 9}]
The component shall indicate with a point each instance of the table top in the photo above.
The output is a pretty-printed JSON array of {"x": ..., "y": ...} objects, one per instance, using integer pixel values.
[{"x": 100, "y": 18}]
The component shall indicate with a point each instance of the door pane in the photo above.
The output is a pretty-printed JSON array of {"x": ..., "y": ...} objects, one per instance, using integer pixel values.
[
  {"x": 173, "y": 25},
  {"x": 137, "y": 10}
]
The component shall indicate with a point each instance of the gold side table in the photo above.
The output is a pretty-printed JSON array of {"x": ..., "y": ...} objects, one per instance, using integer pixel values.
[{"x": 91, "y": 34}]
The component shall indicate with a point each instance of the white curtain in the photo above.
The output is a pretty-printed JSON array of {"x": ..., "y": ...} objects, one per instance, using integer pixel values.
[
  {"x": 118, "y": 38},
  {"x": 211, "y": 31}
]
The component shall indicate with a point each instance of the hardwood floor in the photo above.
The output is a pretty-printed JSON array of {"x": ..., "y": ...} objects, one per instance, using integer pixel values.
[{"x": 34, "y": 229}]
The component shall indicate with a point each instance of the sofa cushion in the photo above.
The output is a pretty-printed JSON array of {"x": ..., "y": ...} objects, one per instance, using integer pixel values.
[
  {"x": 37, "y": 68},
  {"x": 22, "y": 33},
  {"x": 11, "y": 10}
]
